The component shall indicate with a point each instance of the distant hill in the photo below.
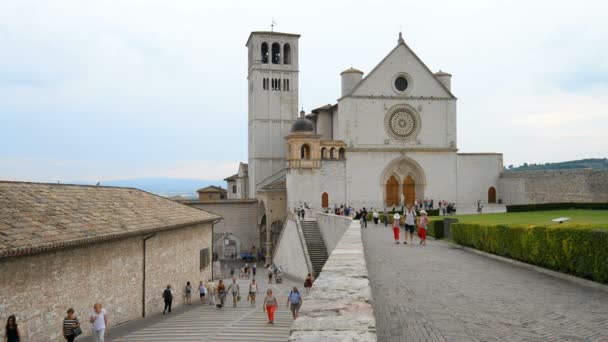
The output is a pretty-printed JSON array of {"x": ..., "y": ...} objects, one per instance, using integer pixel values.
[
  {"x": 594, "y": 163},
  {"x": 167, "y": 187}
]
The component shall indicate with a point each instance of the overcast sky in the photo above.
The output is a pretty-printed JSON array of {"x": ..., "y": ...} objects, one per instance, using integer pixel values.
[{"x": 101, "y": 90}]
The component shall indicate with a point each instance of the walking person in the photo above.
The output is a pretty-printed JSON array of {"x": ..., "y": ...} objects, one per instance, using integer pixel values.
[
  {"x": 211, "y": 292},
  {"x": 376, "y": 217},
  {"x": 424, "y": 221},
  {"x": 99, "y": 319},
  {"x": 364, "y": 214},
  {"x": 71, "y": 326},
  {"x": 221, "y": 293},
  {"x": 270, "y": 271},
  {"x": 294, "y": 302},
  {"x": 396, "y": 227},
  {"x": 253, "y": 291},
  {"x": 188, "y": 293},
  {"x": 168, "y": 298},
  {"x": 270, "y": 305},
  {"x": 202, "y": 291},
  {"x": 254, "y": 269},
  {"x": 410, "y": 224},
  {"x": 11, "y": 331},
  {"x": 235, "y": 290},
  {"x": 308, "y": 282}
]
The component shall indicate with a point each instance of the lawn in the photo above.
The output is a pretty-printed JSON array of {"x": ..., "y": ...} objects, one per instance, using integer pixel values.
[{"x": 537, "y": 217}]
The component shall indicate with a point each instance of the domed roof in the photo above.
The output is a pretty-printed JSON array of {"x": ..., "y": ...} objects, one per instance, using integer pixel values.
[
  {"x": 302, "y": 124},
  {"x": 352, "y": 70}
]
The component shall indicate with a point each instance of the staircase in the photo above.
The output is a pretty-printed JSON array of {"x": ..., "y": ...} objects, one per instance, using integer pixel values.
[{"x": 315, "y": 245}]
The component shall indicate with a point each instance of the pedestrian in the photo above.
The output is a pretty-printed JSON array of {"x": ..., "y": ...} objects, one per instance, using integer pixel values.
[
  {"x": 202, "y": 291},
  {"x": 376, "y": 216},
  {"x": 270, "y": 274},
  {"x": 308, "y": 282},
  {"x": 188, "y": 293},
  {"x": 479, "y": 207},
  {"x": 168, "y": 298},
  {"x": 254, "y": 269},
  {"x": 294, "y": 301},
  {"x": 221, "y": 293},
  {"x": 410, "y": 223},
  {"x": 71, "y": 326},
  {"x": 211, "y": 292},
  {"x": 364, "y": 217},
  {"x": 235, "y": 290},
  {"x": 396, "y": 227},
  {"x": 424, "y": 220},
  {"x": 11, "y": 331},
  {"x": 99, "y": 319},
  {"x": 253, "y": 291},
  {"x": 270, "y": 305}
]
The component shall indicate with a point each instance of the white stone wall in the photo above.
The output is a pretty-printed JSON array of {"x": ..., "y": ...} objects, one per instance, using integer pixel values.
[
  {"x": 309, "y": 185},
  {"x": 478, "y": 172},
  {"x": 332, "y": 228},
  {"x": 290, "y": 253}
]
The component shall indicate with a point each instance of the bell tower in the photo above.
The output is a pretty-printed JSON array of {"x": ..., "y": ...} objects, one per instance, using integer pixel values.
[{"x": 273, "y": 101}]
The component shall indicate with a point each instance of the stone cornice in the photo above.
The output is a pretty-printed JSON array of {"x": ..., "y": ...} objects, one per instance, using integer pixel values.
[
  {"x": 398, "y": 97},
  {"x": 402, "y": 149}
]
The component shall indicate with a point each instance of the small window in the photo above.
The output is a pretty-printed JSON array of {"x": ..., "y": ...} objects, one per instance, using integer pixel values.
[
  {"x": 287, "y": 85},
  {"x": 286, "y": 54},
  {"x": 341, "y": 154},
  {"x": 205, "y": 258},
  {"x": 332, "y": 153},
  {"x": 305, "y": 152},
  {"x": 278, "y": 84},
  {"x": 234, "y": 189},
  {"x": 264, "y": 53},
  {"x": 276, "y": 53},
  {"x": 401, "y": 83}
]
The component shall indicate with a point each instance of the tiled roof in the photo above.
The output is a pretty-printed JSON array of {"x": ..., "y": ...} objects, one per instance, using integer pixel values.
[
  {"x": 231, "y": 178},
  {"x": 211, "y": 188},
  {"x": 35, "y": 217}
]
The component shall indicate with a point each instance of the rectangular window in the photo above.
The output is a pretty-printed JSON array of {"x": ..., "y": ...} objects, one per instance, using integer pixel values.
[
  {"x": 279, "y": 83},
  {"x": 205, "y": 258}
]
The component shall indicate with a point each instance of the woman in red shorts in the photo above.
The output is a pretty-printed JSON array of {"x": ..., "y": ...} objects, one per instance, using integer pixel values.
[
  {"x": 396, "y": 227},
  {"x": 424, "y": 221}
]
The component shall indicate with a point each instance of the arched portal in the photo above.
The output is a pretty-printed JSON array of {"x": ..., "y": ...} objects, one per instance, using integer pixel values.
[
  {"x": 392, "y": 191},
  {"x": 409, "y": 190},
  {"x": 492, "y": 195},
  {"x": 324, "y": 200}
]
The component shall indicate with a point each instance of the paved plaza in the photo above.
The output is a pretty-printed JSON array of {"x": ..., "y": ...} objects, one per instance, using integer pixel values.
[
  {"x": 198, "y": 323},
  {"x": 443, "y": 293}
]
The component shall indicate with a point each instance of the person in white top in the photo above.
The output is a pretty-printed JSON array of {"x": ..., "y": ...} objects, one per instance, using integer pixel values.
[
  {"x": 253, "y": 290},
  {"x": 99, "y": 318},
  {"x": 396, "y": 227},
  {"x": 410, "y": 223},
  {"x": 376, "y": 216}
]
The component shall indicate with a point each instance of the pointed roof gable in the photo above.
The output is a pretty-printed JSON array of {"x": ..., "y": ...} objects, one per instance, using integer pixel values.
[{"x": 400, "y": 56}]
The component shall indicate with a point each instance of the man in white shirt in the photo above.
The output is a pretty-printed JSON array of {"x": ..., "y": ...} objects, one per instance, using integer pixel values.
[
  {"x": 410, "y": 223},
  {"x": 99, "y": 318}
]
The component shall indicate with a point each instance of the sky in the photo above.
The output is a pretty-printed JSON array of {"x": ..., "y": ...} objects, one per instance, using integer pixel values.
[{"x": 105, "y": 90}]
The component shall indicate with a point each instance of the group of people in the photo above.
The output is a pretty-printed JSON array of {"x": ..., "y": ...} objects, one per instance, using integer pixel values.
[
  {"x": 411, "y": 221},
  {"x": 446, "y": 208}
]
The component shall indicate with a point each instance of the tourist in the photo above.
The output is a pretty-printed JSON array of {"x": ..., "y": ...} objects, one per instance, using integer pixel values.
[
  {"x": 99, "y": 319},
  {"x": 235, "y": 290},
  {"x": 424, "y": 220},
  {"x": 270, "y": 305},
  {"x": 253, "y": 290},
  {"x": 396, "y": 227},
  {"x": 308, "y": 282},
  {"x": 202, "y": 291},
  {"x": 479, "y": 207},
  {"x": 211, "y": 292},
  {"x": 376, "y": 216},
  {"x": 254, "y": 269},
  {"x": 364, "y": 217},
  {"x": 410, "y": 223},
  {"x": 269, "y": 274},
  {"x": 168, "y": 298},
  {"x": 71, "y": 326},
  {"x": 294, "y": 301},
  {"x": 11, "y": 331},
  {"x": 188, "y": 293},
  {"x": 221, "y": 293}
]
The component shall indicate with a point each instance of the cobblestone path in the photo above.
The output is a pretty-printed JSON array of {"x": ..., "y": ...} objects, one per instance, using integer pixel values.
[
  {"x": 205, "y": 323},
  {"x": 442, "y": 293}
]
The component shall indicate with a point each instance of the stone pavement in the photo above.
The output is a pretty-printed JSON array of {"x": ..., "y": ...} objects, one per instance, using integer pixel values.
[
  {"x": 206, "y": 323},
  {"x": 442, "y": 293}
]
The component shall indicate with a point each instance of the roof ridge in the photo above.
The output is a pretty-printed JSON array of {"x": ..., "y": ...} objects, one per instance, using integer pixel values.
[{"x": 71, "y": 184}]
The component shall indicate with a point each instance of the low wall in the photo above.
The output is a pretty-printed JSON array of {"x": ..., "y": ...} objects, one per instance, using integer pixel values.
[
  {"x": 332, "y": 228},
  {"x": 338, "y": 307},
  {"x": 290, "y": 254}
]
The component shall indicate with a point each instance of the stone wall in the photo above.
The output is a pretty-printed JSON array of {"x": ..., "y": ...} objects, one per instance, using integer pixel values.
[
  {"x": 332, "y": 228},
  {"x": 290, "y": 253},
  {"x": 39, "y": 288},
  {"x": 530, "y": 187},
  {"x": 338, "y": 307}
]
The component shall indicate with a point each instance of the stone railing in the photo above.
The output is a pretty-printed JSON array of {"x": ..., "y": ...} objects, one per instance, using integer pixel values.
[
  {"x": 332, "y": 228},
  {"x": 338, "y": 307}
]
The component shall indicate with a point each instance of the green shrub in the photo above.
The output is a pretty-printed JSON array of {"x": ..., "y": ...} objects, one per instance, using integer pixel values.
[
  {"x": 581, "y": 250},
  {"x": 555, "y": 206},
  {"x": 435, "y": 229}
]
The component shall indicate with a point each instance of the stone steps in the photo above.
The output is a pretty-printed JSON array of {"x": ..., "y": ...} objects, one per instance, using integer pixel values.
[{"x": 315, "y": 245}]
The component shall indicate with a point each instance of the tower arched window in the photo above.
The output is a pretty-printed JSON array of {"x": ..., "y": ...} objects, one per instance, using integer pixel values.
[
  {"x": 276, "y": 53},
  {"x": 323, "y": 153},
  {"x": 305, "y": 152},
  {"x": 341, "y": 153},
  {"x": 332, "y": 153},
  {"x": 264, "y": 53},
  {"x": 286, "y": 53}
]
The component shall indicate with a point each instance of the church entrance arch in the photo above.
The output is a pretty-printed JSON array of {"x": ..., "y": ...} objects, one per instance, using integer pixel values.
[
  {"x": 492, "y": 195},
  {"x": 404, "y": 174},
  {"x": 324, "y": 200}
]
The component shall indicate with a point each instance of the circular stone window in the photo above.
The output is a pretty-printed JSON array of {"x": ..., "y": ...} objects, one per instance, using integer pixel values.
[
  {"x": 402, "y": 83},
  {"x": 402, "y": 122}
]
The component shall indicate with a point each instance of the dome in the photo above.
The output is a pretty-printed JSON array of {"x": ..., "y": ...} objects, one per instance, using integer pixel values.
[
  {"x": 351, "y": 70},
  {"x": 303, "y": 125}
]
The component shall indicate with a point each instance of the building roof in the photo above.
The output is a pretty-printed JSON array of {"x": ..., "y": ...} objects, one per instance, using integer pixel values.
[
  {"x": 351, "y": 70},
  {"x": 212, "y": 188},
  {"x": 36, "y": 217},
  {"x": 271, "y": 33},
  {"x": 231, "y": 178},
  {"x": 302, "y": 124}
]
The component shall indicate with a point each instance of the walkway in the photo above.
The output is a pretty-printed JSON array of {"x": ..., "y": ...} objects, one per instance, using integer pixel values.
[
  {"x": 442, "y": 293},
  {"x": 205, "y": 323}
]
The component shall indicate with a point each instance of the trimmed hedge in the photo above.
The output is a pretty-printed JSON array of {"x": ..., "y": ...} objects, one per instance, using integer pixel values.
[
  {"x": 435, "y": 229},
  {"x": 581, "y": 250},
  {"x": 555, "y": 206}
]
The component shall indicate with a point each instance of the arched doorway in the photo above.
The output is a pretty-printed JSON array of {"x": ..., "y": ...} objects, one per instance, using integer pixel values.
[
  {"x": 325, "y": 200},
  {"x": 409, "y": 190},
  {"x": 392, "y": 191},
  {"x": 492, "y": 195}
]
